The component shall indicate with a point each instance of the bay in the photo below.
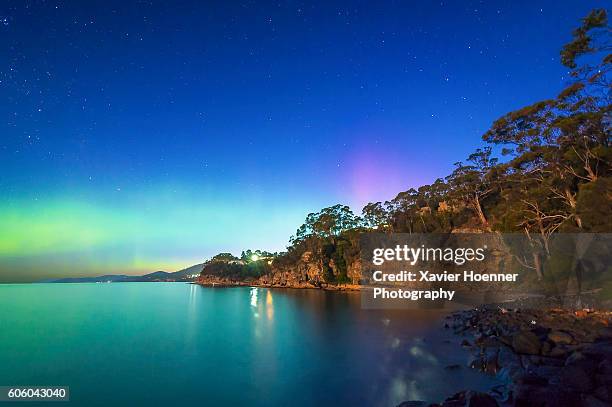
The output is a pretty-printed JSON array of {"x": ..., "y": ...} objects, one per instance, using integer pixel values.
[{"x": 171, "y": 343}]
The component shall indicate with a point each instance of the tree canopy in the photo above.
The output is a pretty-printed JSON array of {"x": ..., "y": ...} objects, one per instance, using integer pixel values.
[{"x": 552, "y": 172}]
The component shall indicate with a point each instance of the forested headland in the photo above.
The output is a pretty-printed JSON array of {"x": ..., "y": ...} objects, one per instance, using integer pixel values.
[{"x": 542, "y": 169}]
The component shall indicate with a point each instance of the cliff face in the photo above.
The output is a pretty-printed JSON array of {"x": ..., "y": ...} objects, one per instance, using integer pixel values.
[{"x": 309, "y": 271}]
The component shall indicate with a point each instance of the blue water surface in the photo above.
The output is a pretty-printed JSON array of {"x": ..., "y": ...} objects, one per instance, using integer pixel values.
[{"x": 158, "y": 344}]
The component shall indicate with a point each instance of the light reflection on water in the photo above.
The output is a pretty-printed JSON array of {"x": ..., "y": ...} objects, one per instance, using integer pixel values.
[
  {"x": 175, "y": 343},
  {"x": 254, "y": 297}
]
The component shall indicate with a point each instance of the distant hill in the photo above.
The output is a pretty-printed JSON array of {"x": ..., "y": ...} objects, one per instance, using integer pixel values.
[
  {"x": 190, "y": 273},
  {"x": 186, "y": 275},
  {"x": 98, "y": 279}
]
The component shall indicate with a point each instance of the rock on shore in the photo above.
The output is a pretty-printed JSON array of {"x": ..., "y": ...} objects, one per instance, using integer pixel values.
[
  {"x": 214, "y": 281},
  {"x": 308, "y": 271},
  {"x": 545, "y": 357}
]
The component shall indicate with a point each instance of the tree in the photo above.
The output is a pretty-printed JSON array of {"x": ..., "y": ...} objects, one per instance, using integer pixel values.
[
  {"x": 374, "y": 216},
  {"x": 224, "y": 257},
  {"x": 590, "y": 38},
  {"x": 471, "y": 183},
  {"x": 329, "y": 222},
  {"x": 560, "y": 149},
  {"x": 564, "y": 142}
]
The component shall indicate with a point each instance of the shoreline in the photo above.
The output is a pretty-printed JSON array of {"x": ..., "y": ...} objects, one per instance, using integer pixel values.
[
  {"x": 545, "y": 351},
  {"x": 544, "y": 357},
  {"x": 325, "y": 287}
]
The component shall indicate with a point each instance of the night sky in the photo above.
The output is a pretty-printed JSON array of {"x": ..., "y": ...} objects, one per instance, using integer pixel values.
[{"x": 137, "y": 136}]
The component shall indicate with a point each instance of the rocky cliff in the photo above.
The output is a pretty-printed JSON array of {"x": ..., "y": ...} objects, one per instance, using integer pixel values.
[{"x": 309, "y": 271}]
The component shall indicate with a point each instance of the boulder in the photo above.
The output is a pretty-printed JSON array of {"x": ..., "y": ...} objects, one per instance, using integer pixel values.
[
  {"x": 470, "y": 399},
  {"x": 574, "y": 377},
  {"x": 551, "y": 373},
  {"x": 477, "y": 399},
  {"x": 579, "y": 359},
  {"x": 558, "y": 352},
  {"x": 560, "y": 337},
  {"x": 600, "y": 350},
  {"x": 605, "y": 379},
  {"x": 604, "y": 393},
  {"x": 605, "y": 367},
  {"x": 526, "y": 342},
  {"x": 544, "y": 396},
  {"x": 590, "y": 401},
  {"x": 550, "y": 361}
]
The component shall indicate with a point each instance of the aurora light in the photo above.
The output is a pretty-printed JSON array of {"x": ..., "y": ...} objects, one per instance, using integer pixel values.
[{"x": 145, "y": 136}]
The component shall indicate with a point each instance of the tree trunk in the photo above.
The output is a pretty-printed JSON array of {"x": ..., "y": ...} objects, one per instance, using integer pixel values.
[
  {"x": 481, "y": 216},
  {"x": 571, "y": 200},
  {"x": 537, "y": 265}
]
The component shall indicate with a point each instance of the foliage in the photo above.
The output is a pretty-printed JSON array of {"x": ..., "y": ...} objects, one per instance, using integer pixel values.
[
  {"x": 255, "y": 255},
  {"x": 226, "y": 265},
  {"x": 555, "y": 176},
  {"x": 329, "y": 222}
]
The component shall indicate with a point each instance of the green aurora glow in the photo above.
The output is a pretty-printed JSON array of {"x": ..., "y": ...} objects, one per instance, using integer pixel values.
[{"x": 70, "y": 237}]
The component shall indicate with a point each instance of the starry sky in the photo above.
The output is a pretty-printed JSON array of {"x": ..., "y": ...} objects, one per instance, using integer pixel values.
[{"x": 145, "y": 135}]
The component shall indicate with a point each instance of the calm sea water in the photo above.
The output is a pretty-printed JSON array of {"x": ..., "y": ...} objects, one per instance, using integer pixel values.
[{"x": 172, "y": 343}]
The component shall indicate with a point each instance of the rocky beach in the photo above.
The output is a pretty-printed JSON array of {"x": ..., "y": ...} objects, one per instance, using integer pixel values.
[
  {"x": 218, "y": 282},
  {"x": 545, "y": 356}
]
